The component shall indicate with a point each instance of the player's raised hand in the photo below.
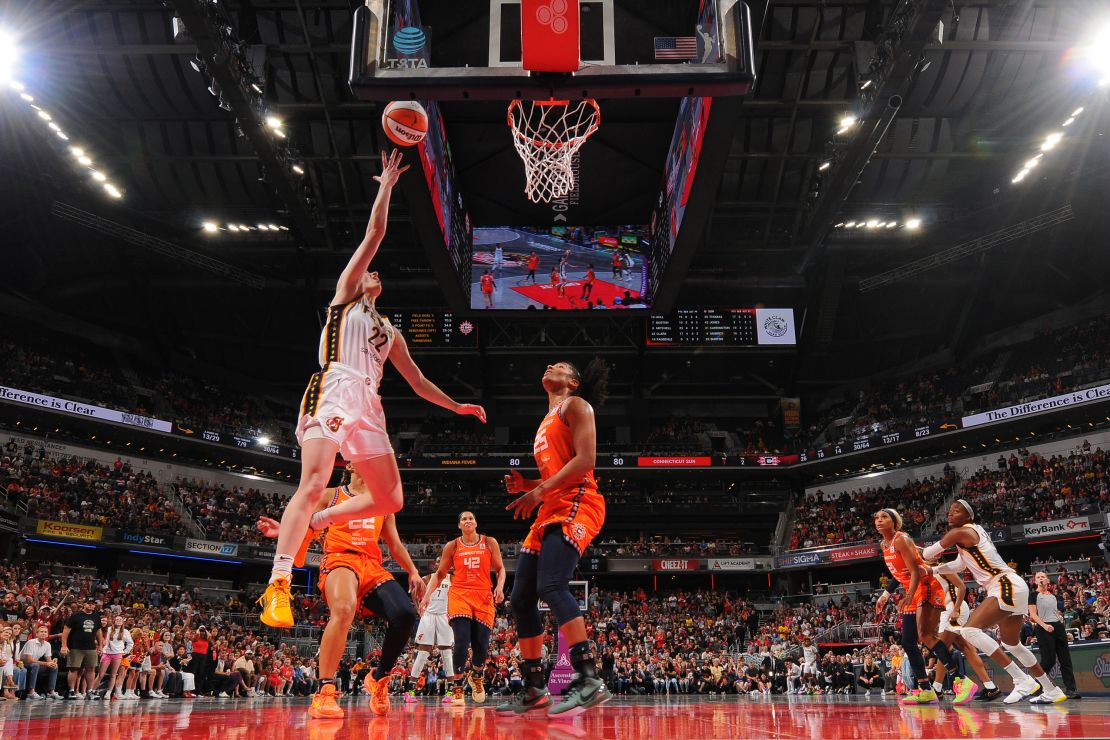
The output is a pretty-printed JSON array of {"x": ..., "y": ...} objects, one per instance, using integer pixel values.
[
  {"x": 268, "y": 527},
  {"x": 514, "y": 482},
  {"x": 391, "y": 168},
  {"x": 473, "y": 409}
]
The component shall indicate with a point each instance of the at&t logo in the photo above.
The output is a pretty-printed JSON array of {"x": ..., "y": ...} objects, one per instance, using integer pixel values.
[{"x": 409, "y": 40}]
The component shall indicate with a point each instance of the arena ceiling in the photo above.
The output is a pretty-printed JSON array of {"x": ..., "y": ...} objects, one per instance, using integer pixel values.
[{"x": 973, "y": 104}]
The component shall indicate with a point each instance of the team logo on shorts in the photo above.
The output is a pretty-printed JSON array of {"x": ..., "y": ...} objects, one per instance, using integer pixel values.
[
  {"x": 334, "y": 423},
  {"x": 578, "y": 531}
]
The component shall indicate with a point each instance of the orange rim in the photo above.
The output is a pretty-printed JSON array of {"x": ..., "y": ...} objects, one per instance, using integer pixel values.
[{"x": 516, "y": 104}]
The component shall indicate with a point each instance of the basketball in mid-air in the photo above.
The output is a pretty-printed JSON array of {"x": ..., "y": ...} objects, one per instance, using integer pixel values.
[{"x": 405, "y": 122}]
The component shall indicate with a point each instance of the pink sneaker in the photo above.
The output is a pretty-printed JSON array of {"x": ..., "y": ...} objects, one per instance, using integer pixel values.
[
  {"x": 410, "y": 698},
  {"x": 448, "y": 699}
]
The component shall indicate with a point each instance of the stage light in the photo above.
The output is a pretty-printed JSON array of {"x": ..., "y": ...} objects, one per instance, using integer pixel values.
[
  {"x": 61, "y": 135},
  {"x": 1051, "y": 141},
  {"x": 112, "y": 190},
  {"x": 300, "y": 170},
  {"x": 84, "y": 160},
  {"x": 1020, "y": 176},
  {"x": 9, "y": 53},
  {"x": 53, "y": 126},
  {"x": 273, "y": 122},
  {"x": 913, "y": 224},
  {"x": 256, "y": 88},
  {"x": 837, "y": 226},
  {"x": 847, "y": 121},
  {"x": 279, "y": 133},
  {"x": 99, "y": 176},
  {"x": 263, "y": 440},
  {"x": 891, "y": 224},
  {"x": 210, "y": 227},
  {"x": 1070, "y": 121},
  {"x": 27, "y": 97},
  {"x": 1033, "y": 162},
  {"x": 232, "y": 227},
  {"x": 273, "y": 227},
  {"x": 77, "y": 151},
  {"x": 849, "y": 225},
  {"x": 17, "y": 86},
  {"x": 284, "y": 228},
  {"x": 44, "y": 115},
  {"x": 1077, "y": 111},
  {"x": 873, "y": 223},
  {"x": 263, "y": 227}
]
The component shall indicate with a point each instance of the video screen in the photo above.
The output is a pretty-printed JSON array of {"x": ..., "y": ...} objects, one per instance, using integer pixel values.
[{"x": 561, "y": 268}]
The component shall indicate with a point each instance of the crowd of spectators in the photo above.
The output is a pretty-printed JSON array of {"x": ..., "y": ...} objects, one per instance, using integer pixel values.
[
  {"x": 827, "y": 518},
  {"x": 1046, "y": 365},
  {"x": 227, "y": 513},
  {"x": 202, "y": 405},
  {"x": 74, "y": 374},
  {"x": 82, "y": 491},
  {"x": 1027, "y": 487},
  {"x": 678, "y": 435}
]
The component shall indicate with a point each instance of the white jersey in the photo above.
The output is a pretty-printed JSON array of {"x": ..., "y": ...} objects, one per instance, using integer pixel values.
[
  {"x": 437, "y": 602},
  {"x": 809, "y": 654},
  {"x": 950, "y": 593},
  {"x": 356, "y": 337},
  {"x": 983, "y": 559}
]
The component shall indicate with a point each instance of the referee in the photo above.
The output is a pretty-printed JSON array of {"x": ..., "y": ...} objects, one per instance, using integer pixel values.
[{"x": 1049, "y": 629}]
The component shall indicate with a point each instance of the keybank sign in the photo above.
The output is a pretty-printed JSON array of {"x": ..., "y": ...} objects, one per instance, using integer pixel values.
[{"x": 208, "y": 547}]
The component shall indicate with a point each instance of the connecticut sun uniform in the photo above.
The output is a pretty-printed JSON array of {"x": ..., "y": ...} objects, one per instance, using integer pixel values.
[
  {"x": 434, "y": 628},
  {"x": 577, "y": 508},
  {"x": 341, "y": 402},
  {"x": 929, "y": 589},
  {"x": 471, "y": 592},
  {"x": 991, "y": 572},
  {"x": 354, "y": 546},
  {"x": 950, "y": 606}
]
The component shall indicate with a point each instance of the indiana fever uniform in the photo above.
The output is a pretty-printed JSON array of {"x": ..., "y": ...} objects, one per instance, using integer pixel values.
[
  {"x": 342, "y": 400},
  {"x": 950, "y": 595},
  {"x": 929, "y": 589},
  {"x": 991, "y": 572},
  {"x": 433, "y": 628},
  {"x": 471, "y": 592},
  {"x": 354, "y": 546},
  {"x": 578, "y": 509}
]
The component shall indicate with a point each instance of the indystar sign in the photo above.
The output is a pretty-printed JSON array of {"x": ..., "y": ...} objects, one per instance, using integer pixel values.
[{"x": 1067, "y": 400}]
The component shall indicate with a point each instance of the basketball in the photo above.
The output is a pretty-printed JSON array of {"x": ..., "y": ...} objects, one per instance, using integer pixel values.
[{"x": 405, "y": 122}]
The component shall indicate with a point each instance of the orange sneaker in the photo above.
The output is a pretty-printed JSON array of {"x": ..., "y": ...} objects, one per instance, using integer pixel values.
[
  {"x": 323, "y": 704},
  {"x": 276, "y": 611},
  {"x": 302, "y": 551},
  {"x": 378, "y": 691}
]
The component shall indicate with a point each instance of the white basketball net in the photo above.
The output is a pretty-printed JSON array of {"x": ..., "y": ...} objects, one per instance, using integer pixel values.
[{"x": 547, "y": 134}]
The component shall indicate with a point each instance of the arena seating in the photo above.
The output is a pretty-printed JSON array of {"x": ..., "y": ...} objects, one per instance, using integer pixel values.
[{"x": 85, "y": 492}]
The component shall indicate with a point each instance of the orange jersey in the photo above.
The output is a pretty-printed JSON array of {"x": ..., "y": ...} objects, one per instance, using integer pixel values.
[
  {"x": 554, "y": 448},
  {"x": 487, "y": 283},
  {"x": 357, "y": 535},
  {"x": 472, "y": 565},
  {"x": 929, "y": 589}
]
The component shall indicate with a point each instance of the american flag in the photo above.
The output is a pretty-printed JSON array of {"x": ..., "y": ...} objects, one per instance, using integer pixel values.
[{"x": 676, "y": 47}]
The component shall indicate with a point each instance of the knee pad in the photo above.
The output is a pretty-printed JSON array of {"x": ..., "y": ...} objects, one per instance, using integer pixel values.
[
  {"x": 1022, "y": 654},
  {"x": 979, "y": 639}
]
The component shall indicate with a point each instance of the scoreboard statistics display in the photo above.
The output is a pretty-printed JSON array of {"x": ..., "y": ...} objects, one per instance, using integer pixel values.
[
  {"x": 423, "y": 329},
  {"x": 723, "y": 327}
]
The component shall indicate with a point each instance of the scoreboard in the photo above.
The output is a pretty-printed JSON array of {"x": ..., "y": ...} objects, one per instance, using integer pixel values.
[
  {"x": 423, "y": 329},
  {"x": 722, "y": 327}
]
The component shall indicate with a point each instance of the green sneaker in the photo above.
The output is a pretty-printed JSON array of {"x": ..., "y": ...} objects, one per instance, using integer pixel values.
[
  {"x": 528, "y": 700},
  {"x": 582, "y": 693},
  {"x": 966, "y": 690},
  {"x": 927, "y": 696}
]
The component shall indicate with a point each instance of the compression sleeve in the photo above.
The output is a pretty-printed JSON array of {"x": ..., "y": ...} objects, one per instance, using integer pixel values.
[{"x": 933, "y": 551}]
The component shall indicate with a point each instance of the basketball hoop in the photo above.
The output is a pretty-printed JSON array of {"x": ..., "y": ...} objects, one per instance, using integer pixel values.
[{"x": 547, "y": 134}]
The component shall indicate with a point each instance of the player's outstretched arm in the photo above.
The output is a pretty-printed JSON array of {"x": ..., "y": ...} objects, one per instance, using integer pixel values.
[
  {"x": 426, "y": 389},
  {"x": 400, "y": 553},
  {"x": 347, "y": 289}
]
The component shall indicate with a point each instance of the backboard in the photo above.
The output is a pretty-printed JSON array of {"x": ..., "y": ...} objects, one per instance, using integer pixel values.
[{"x": 452, "y": 50}]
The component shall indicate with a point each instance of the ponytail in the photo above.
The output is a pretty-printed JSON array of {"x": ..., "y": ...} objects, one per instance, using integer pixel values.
[{"x": 593, "y": 382}]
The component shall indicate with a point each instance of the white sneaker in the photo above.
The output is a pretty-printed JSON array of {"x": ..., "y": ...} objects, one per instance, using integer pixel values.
[
  {"x": 80, "y": 696},
  {"x": 1055, "y": 696},
  {"x": 867, "y": 693},
  {"x": 1021, "y": 690},
  {"x": 31, "y": 695},
  {"x": 883, "y": 693},
  {"x": 55, "y": 696},
  {"x": 160, "y": 695},
  {"x": 222, "y": 695}
]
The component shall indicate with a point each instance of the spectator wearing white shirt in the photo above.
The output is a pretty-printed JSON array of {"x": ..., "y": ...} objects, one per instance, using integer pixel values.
[
  {"x": 117, "y": 644},
  {"x": 37, "y": 659}
]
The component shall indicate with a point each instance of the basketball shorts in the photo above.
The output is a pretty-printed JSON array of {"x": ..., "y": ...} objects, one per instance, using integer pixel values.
[
  {"x": 930, "y": 592},
  {"x": 340, "y": 405},
  {"x": 367, "y": 570},
  {"x": 477, "y": 604},
  {"x": 946, "y": 626},
  {"x": 434, "y": 629},
  {"x": 1011, "y": 591},
  {"x": 580, "y": 513}
]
